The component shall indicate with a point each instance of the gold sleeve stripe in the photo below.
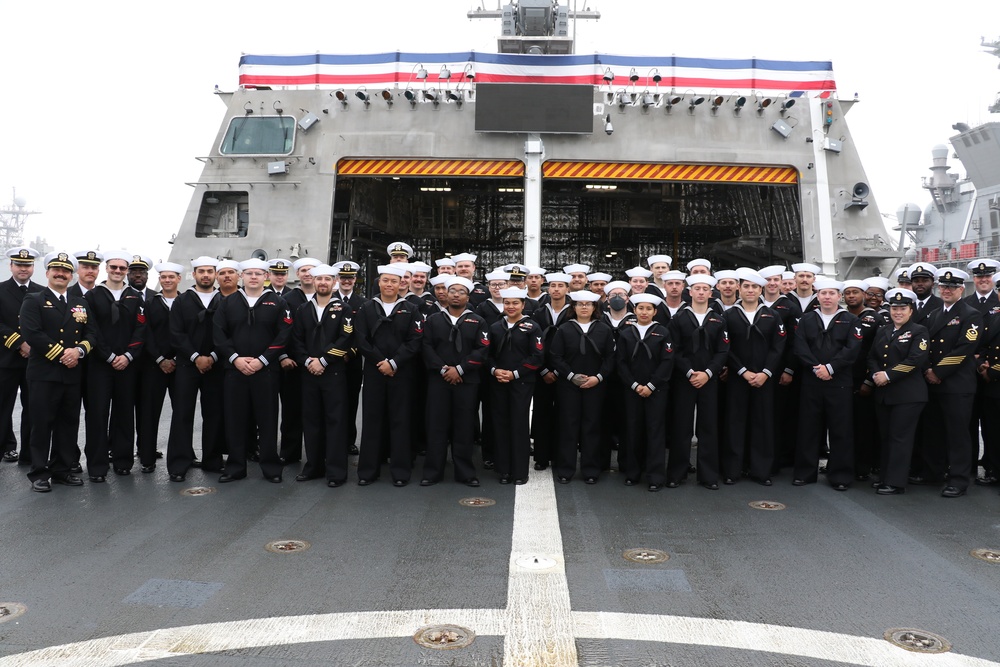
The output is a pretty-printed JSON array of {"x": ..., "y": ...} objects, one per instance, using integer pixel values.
[
  {"x": 86, "y": 346},
  {"x": 995, "y": 367},
  {"x": 951, "y": 361},
  {"x": 902, "y": 368},
  {"x": 12, "y": 340},
  {"x": 55, "y": 352},
  {"x": 337, "y": 353}
]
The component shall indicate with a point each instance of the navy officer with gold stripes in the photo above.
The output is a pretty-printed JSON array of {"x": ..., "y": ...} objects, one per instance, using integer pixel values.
[
  {"x": 56, "y": 327},
  {"x": 954, "y": 328}
]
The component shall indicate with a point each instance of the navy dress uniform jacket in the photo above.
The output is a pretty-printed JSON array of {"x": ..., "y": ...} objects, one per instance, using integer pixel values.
[{"x": 902, "y": 354}]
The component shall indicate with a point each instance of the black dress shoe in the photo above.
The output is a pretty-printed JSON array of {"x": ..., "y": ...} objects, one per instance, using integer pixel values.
[
  {"x": 196, "y": 463},
  {"x": 713, "y": 486},
  {"x": 629, "y": 482},
  {"x": 590, "y": 480},
  {"x": 159, "y": 454},
  {"x": 563, "y": 480},
  {"x": 333, "y": 483},
  {"x": 764, "y": 482},
  {"x": 655, "y": 487},
  {"x": 798, "y": 482},
  {"x": 488, "y": 465},
  {"x": 97, "y": 479},
  {"x": 77, "y": 469},
  {"x": 692, "y": 469},
  {"x": 952, "y": 492},
  {"x": 399, "y": 483},
  {"x": 177, "y": 478},
  {"x": 304, "y": 478},
  {"x": 353, "y": 450},
  {"x": 41, "y": 485},
  {"x": 840, "y": 487},
  {"x": 10, "y": 457},
  {"x": 148, "y": 469},
  {"x": 505, "y": 479},
  {"x": 473, "y": 482},
  {"x": 862, "y": 477},
  {"x": 122, "y": 472},
  {"x": 254, "y": 457},
  {"x": 541, "y": 466},
  {"x": 275, "y": 479},
  {"x": 68, "y": 480},
  {"x": 987, "y": 480},
  {"x": 728, "y": 481},
  {"x": 365, "y": 482},
  {"x": 521, "y": 482},
  {"x": 889, "y": 490},
  {"x": 672, "y": 485},
  {"x": 230, "y": 478},
  {"x": 427, "y": 482},
  {"x": 917, "y": 480}
]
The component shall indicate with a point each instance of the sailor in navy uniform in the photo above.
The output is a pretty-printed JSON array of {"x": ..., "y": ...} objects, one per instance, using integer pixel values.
[
  {"x": 658, "y": 265},
  {"x": 455, "y": 347},
  {"x": 618, "y": 317},
  {"x": 387, "y": 333},
  {"x": 674, "y": 287},
  {"x": 596, "y": 282},
  {"x": 644, "y": 358},
  {"x": 534, "y": 282},
  {"x": 701, "y": 348},
  {"x": 827, "y": 342},
  {"x": 756, "y": 347},
  {"x": 989, "y": 372},
  {"x": 984, "y": 299},
  {"x": 491, "y": 309},
  {"x": 399, "y": 252},
  {"x": 322, "y": 334},
  {"x": 583, "y": 358},
  {"x": 866, "y": 440},
  {"x": 922, "y": 276},
  {"x": 638, "y": 280},
  {"x": 278, "y": 269},
  {"x": 955, "y": 329},
  {"x": 251, "y": 330},
  {"x": 138, "y": 279},
  {"x": 15, "y": 351},
  {"x": 518, "y": 278},
  {"x": 88, "y": 266},
  {"x": 116, "y": 314},
  {"x": 347, "y": 276},
  {"x": 901, "y": 277},
  {"x": 545, "y": 410},
  {"x": 875, "y": 296},
  {"x": 445, "y": 266},
  {"x": 517, "y": 351},
  {"x": 896, "y": 364},
  {"x": 199, "y": 372},
  {"x": 419, "y": 296},
  {"x": 465, "y": 266},
  {"x": 56, "y": 328}
]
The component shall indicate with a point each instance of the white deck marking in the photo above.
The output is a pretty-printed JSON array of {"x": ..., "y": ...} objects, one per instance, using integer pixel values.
[{"x": 538, "y": 626}]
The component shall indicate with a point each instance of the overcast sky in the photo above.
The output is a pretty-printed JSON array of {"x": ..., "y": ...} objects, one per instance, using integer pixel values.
[{"x": 106, "y": 104}]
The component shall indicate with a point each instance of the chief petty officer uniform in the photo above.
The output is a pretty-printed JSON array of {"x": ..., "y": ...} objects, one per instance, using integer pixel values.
[
  {"x": 990, "y": 372},
  {"x": 451, "y": 408},
  {"x": 984, "y": 303},
  {"x": 120, "y": 330},
  {"x": 52, "y": 323},
  {"x": 954, "y": 340},
  {"x": 191, "y": 331},
  {"x": 259, "y": 331},
  {"x": 645, "y": 357},
  {"x": 324, "y": 335},
  {"x": 756, "y": 344},
  {"x": 355, "y": 372},
  {"x": 158, "y": 348},
  {"x": 386, "y": 401},
  {"x": 902, "y": 355},
  {"x": 519, "y": 348},
  {"x": 825, "y": 405},
  {"x": 578, "y": 351},
  {"x": 698, "y": 346},
  {"x": 12, "y": 365}
]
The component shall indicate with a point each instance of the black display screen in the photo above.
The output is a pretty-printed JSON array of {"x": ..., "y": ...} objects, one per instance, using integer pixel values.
[{"x": 535, "y": 107}]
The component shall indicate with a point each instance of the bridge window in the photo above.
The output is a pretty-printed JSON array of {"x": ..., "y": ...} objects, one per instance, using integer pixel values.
[
  {"x": 223, "y": 215},
  {"x": 259, "y": 135}
]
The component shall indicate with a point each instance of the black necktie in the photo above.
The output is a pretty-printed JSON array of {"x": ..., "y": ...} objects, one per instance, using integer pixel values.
[
  {"x": 62, "y": 299},
  {"x": 982, "y": 299},
  {"x": 24, "y": 289}
]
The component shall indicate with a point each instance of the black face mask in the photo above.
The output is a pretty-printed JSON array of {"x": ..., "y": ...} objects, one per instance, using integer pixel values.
[{"x": 616, "y": 302}]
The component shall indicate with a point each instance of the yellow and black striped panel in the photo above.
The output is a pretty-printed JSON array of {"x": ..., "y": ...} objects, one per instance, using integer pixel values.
[
  {"x": 463, "y": 168},
  {"x": 671, "y": 172}
]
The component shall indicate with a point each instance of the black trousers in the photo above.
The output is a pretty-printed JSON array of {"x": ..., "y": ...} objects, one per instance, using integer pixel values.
[
  {"x": 645, "y": 437},
  {"x": 324, "y": 421},
  {"x": 290, "y": 392},
  {"x": 980, "y": 421},
  {"x": 511, "y": 403},
  {"x": 612, "y": 428},
  {"x": 945, "y": 448},
  {"x": 451, "y": 415},
  {"x": 189, "y": 384},
  {"x": 110, "y": 416},
  {"x": 12, "y": 380},
  {"x": 354, "y": 380},
  {"x": 385, "y": 412},
  {"x": 898, "y": 428},
  {"x": 55, "y": 408},
  {"x": 867, "y": 440},
  {"x": 579, "y": 428},
  {"x": 786, "y": 419},
  {"x": 544, "y": 421},
  {"x": 257, "y": 393},
  {"x": 156, "y": 386},
  {"x": 825, "y": 408},
  {"x": 686, "y": 399},
  {"x": 750, "y": 415},
  {"x": 991, "y": 434}
]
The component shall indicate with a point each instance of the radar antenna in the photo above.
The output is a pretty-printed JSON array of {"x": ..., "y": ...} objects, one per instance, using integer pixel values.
[
  {"x": 12, "y": 222},
  {"x": 535, "y": 26}
]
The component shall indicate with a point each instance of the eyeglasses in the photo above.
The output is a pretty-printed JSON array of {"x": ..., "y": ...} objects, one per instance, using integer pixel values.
[{"x": 119, "y": 269}]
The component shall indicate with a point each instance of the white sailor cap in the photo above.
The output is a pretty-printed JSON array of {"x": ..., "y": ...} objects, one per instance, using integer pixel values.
[
  {"x": 604, "y": 277},
  {"x": 444, "y": 261},
  {"x": 773, "y": 270},
  {"x": 140, "y": 262},
  {"x": 439, "y": 280},
  {"x": 878, "y": 282},
  {"x": 645, "y": 298},
  {"x": 497, "y": 275},
  {"x": 699, "y": 262},
  {"x": 806, "y": 267},
  {"x": 653, "y": 259},
  {"x": 513, "y": 293},
  {"x": 305, "y": 261},
  {"x": 228, "y": 264},
  {"x": 557, "y": 278},
  {"x": 673, "y": 275},
  {"x": 399, "y": 249},
  {"x": 616, "y": 284},
  {"x": 860, "y": 284},
  {"x": 701, "y": 279},
  {"x": 576, "y": 268},
  {"x": 536, "y": 271},
  {"x": 788, "y": 275},
  {"x": 253, "y": 263},
  {"x": 727, "y": 275},
  {"x": 22, "y": 255},
  {"x": 204, "y": 260},
  {"x": 420, "y": 267},
  {"x": 117, "y": 254},
  {"x": 169, "y": 266},
  {"x": 464, "y": 257},
  {"x": 91, "y": 257},
  {"x": 452, "y": 281},
  {"x": 323, "y": 270},
  {"x": 753, "y": 277},
  {"x": 398, "y": 269},
  {"x": 639, "y": 272},
  {"x": 584, "y": 295},
  {"x": 61, "y": 260},
  {"x": 822, "y": 283}
]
